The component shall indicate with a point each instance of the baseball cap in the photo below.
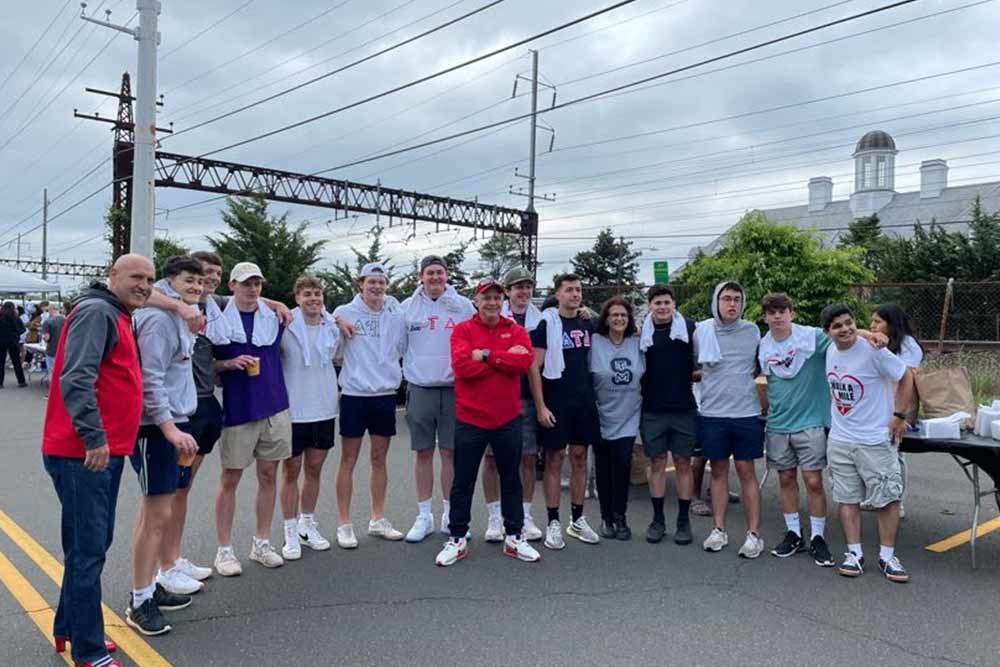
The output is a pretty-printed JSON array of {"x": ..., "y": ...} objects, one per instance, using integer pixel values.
[
  {"x": 373, "y": 269},
  {"x": 517, "y": 275},
  {"x": 431, "y": 260},
  {"x": 244, "y": 271},
  {"x": 487, "y": 284}
]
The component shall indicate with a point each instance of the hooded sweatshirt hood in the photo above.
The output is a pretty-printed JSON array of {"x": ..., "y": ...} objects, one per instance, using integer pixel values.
[
  {"x": 727, "y": 387},
  {"x": 731, "y": 284},
  {"x": 99, "y": 290}
]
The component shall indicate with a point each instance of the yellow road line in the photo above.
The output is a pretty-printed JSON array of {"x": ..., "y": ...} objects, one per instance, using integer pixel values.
[
  {"x": 34, "y": 604},
  {"x": 959, "y": 539},
  {"x": 141, "y": 652}
]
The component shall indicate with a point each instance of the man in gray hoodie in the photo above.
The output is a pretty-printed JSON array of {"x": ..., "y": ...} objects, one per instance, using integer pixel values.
[{"x": 730, "y": 426}]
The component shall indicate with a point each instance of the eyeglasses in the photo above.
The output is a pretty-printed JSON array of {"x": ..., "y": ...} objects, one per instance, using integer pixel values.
[{"x": 731, "y": 299}]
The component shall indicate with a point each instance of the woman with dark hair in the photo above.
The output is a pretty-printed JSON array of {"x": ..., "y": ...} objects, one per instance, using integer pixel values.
[
  {"x": 616, "y": 367},
  {"x": 892, "y": 321},
  {"x": 11, "y": 329}
]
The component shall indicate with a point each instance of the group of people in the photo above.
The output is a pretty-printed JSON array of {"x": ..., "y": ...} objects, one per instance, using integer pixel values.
[
  {"x": 138, "y": 363},
  {"x": 19, "y": 325}
]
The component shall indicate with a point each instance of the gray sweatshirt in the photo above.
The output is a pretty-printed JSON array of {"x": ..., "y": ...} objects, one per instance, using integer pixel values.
[
  {"x": 727, "y": 387},
  {"x": 168, "y": 389}
]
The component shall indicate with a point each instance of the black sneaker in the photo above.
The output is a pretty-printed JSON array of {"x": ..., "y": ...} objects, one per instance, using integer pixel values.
[
  {"x": 683, "y": 534},
  {"x": 168, "y": 601},
  {"x": 791, "y": 545},
  {"x": 853, "y": 566},
  {"x": 622, "y": 531},
  {"x": 820, "y": 552},
  {"x": 147, "y": 619},
  {"x": 655, "y": 532},
  {"x": 894, "y": 570},
  {"x": 608, "y": 529}
]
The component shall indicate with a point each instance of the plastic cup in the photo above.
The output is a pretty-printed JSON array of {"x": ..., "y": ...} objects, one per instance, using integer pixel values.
[
  {"x": 253, "y": 368},
  {"x": 186, "y": 460}
]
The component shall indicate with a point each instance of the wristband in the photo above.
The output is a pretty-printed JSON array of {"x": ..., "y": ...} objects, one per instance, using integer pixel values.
[{"x": 901, "y": 415}]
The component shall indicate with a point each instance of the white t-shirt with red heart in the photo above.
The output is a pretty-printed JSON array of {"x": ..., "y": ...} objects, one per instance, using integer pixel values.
[{"x": 862, "y": 381}]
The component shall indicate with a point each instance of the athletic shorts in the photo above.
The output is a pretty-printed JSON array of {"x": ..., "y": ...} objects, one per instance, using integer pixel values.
[
  {"x": 206, "y": 424},
  {"x": 154, "y": 460},
  {"x": 575, "y": 425},
  {"x": 375, "y": 414},
  {"x": 430, "y": 416},
  {"x": 865, "y": 473},
  {"x": 313, "y": 435},
  {"x": 739, "y": 437},
  {"x": 674, "y": 432},
  {"x": 268, "y": 439},
  {"x": 804, "y": 449}
]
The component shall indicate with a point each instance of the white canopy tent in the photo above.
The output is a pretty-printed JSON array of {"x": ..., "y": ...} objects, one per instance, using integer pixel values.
[{"x": 13, "y": 281}]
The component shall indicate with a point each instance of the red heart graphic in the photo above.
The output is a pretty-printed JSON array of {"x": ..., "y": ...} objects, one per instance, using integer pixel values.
[{"x": 845, "y": 390}]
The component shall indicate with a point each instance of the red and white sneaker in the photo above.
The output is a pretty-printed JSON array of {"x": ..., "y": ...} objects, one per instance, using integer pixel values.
[
  {"x": 113, "y": 663},
  {"x": 453, "y": 551},
  {"x": 515, "y": 547}
]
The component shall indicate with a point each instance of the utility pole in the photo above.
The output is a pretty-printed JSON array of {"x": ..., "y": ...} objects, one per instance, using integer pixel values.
[
  {"x": 18, "y": 251},
  {"x": 45, "y": 233},
  {"x": 144, "y": 193}
]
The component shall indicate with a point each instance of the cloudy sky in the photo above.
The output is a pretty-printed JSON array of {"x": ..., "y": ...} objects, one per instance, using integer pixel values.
[{"x": 684, "y": 155}]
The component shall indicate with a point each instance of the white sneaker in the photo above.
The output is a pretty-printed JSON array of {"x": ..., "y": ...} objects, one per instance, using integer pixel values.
[
  {"x": 453, "y": 551},
  {"x": 264, "y": 553},
  {"x": 226, "y": 562},
  {"x": 190, "y": 569},
  {"x": 178, "y": 583},
  {"x": 310, "y": 536},
  {"x": 382, "y": 528},
  {"x": 292, "y": 550},
  {"x": 530, "y": 531},
  {"x": 445, "y": 523},
  {"x": 345, "y": 537},
  {"x": 494, "y": 529},
  {"x": 582, "y": 531},
  {"x": 520, "y": 549},
  {"x": 716, "y": 540},
  {"x": 752, "y": 547},
  {"x": 423, "y": 526},
  {"x": 553, "y": 536}
]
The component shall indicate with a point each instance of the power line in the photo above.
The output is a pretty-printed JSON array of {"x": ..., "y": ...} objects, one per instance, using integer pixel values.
[
  {"x": 31, "y": 50},
  {"x": 205, "y": 30}
]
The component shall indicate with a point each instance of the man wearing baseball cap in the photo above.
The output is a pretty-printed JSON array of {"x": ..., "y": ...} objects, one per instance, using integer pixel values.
[
  {"x": 431, "y": 315},
  {"x": 256, "y": 424},
  {"x": 489, "y": 354}
]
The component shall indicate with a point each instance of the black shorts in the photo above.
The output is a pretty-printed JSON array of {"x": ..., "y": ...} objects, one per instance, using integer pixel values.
[
  {"x": 206, "y": 424},
  {"x": 154, "y": 460},
  {"x": 575, "y": 425},
  {"x": 313, "y": 435},
  {"x": 375, "y": 414}
]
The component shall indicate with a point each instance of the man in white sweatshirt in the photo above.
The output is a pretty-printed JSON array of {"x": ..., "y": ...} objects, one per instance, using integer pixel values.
[
  {"x": 431, "y": 315},
  {"x": 369, "y": 379}
]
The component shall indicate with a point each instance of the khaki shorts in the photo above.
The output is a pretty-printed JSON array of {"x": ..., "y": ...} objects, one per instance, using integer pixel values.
[
  {"x": 855, "y": 468},
  {"x": 268, "y": 439},
  {"x": 803, "y": 449}
]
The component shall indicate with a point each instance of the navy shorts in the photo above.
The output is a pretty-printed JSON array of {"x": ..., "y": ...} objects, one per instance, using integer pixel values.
[
  {"x": 574, "y": 426},
  {"x": 313, "y": 435},
  {"x": 154, "y": 460},
  {"x": 206, "y": 424},
  {"x": 375, "y": 414},
  {"x": 739, "y": 437}
]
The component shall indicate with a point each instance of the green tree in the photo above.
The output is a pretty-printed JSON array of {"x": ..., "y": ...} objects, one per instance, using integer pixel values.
[
  {"x": 498, "y": 255},
  {"x": 457, "y": 275},
  {"x": 115, "y": 218},
  {"x": 866, "y": 234},
  {"x": 165, "y": 248},
  {"x": 764, "y": 256},
  {"x": 282, "y": 253},
  {"x": 609, "y": 263}
]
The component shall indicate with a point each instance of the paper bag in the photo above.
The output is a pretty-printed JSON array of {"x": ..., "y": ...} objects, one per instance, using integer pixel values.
[{"x": 944, "y": 392}]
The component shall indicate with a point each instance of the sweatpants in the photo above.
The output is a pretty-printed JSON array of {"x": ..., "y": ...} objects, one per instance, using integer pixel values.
[
  {"x": 613, "y": 468},
  {"x": 470, "y": 445}
]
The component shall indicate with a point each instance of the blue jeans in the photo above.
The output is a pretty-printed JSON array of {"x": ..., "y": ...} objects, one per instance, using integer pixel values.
[{"x": 88, "y": 502}]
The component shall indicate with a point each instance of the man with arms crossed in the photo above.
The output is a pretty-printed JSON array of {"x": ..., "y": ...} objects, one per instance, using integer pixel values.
[
  {"x": 863, "y": 463},
  {"x": 431, "y": 315}
]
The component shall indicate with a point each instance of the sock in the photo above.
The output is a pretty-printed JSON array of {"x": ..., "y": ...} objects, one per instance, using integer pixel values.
[
  {"x": 886, "y": 553},
  {"x": 657, "y": 508},
  {"x": 424, "y": 507},
  {"x": 225, "y": 546},
  {"x": 446, "y": 507},
  {"x": 140, "y": 595},
  {"x": 553, "y": 513},
  {"x": 856, "y": 550},
  {"x": 257, "y": 542},
  {"x": 683, "y": 512},
  {"x": 817, "y": 524},
  {"x": 493, "y": 509},
  {"x": 792, "y": 523},
  {"x": 527, "y": 509},
  {"x": 576, "y": 511},
  {"x": 291, "y": 523},
  {"x": 307, "y": 517}
]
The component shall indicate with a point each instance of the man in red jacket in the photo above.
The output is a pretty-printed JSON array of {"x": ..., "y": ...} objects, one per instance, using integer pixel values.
[
  {"x": 91, "y": 422},
  {"x": 489, "y": 354}
]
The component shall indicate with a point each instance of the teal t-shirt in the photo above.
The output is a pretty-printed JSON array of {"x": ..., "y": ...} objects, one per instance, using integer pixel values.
[{"x": 803, "y": 401}]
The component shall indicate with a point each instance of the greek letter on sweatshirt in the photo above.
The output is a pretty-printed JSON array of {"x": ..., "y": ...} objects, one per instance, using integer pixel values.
[
  {"x": 430, "y": 323},
  {"x": 368, "y": 369}
]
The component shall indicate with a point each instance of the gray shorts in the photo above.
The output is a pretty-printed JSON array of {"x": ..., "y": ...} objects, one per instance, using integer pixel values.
[
  {"x": 430, "y": 416},
  {"x": 674, "y": 432},
  {"x": 268, "y": 439},
  {"x": 855, "y": 468},
  {"x": 529, "y": 429},
  {"x": 803, "y": 449}
]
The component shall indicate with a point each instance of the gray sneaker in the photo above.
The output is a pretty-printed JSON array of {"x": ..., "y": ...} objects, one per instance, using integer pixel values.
[
  {"x": 752, "y": 547},
  {"x": 716, "y": 540},
  {"x": 265, "y": 554},
  {"x": 582, "y": 531},
  {"x": 553, "y": 536}
]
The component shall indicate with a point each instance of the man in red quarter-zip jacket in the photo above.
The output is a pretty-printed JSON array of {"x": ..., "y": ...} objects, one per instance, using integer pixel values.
[{"x": 489, "y": 354}]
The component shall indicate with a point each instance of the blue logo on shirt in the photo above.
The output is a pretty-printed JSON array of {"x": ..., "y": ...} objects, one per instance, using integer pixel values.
[{"x": 621, "y": 373}]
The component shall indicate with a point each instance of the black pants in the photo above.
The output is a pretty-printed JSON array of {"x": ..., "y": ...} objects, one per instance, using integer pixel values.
[
  {"x": 470, "y": 446},
  {"x": 14, "y": 351},
  {"x": 613, "y": 469}
]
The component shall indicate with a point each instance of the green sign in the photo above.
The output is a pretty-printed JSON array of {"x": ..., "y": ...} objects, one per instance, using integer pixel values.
[{"x": 661, "y": 272}]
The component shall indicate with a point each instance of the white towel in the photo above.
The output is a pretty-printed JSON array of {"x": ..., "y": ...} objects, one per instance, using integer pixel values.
[
  {"x": 678, "y": 331},
  {"x": 183, "y": 332},
  {"x": 554, "y": 364},
  {"x": 326, "y": 342},
  {"x": 707, "y": 342},
  {"x": 391, "y": 327},
  {"x": 227, "y": 327},
  {"x": 786, "y": 358},
  {"x": 532, "y": 316}
]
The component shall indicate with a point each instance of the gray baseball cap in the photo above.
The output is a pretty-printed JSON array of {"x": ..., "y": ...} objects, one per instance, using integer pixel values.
[{"x": 517, "y": 275}]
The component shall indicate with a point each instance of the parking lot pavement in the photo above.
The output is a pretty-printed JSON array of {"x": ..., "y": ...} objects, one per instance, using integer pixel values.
[{"x": 613, "y": 603}]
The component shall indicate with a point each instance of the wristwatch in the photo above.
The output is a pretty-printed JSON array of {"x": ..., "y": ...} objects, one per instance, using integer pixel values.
[
  {"x": 486, "y": 355},
  {"x": 901, "y": 415}
]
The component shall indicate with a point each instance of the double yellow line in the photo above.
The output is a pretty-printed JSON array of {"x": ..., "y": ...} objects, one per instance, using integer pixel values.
[{"x": 40, "y": 612}]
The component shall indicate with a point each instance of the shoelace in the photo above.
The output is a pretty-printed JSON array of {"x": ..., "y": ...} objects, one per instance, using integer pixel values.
[{"x": 894, "y": 564}]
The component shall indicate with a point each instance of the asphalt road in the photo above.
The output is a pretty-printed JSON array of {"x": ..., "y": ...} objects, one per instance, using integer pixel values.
[{"x": 613, "y": 603}]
